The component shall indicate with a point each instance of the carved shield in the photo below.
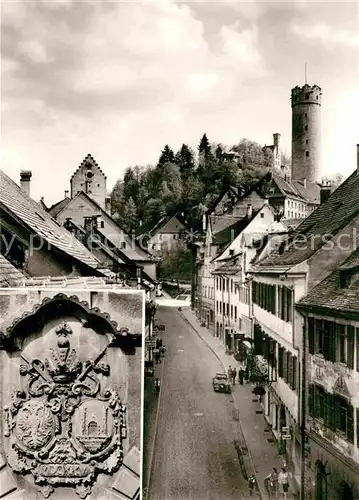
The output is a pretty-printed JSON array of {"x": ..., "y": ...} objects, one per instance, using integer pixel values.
[
  {"x": 35, "y": 425},
  {"x": 93, "y": 425}
]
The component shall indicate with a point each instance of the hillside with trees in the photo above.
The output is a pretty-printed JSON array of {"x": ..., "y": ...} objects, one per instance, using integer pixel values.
[{"x": 186, "y": 181}]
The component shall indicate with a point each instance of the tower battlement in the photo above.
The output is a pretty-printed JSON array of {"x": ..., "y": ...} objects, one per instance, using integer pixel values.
[{"x": 308, "y": 94}]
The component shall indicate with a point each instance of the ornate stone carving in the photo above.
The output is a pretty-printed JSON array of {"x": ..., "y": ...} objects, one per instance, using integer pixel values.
[
  {"x": 341, "y": 387},
  {"x": 64, "y": 429}
]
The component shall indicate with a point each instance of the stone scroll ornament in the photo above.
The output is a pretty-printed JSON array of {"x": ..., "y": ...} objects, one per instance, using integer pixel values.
[{"x": 64, "y": 429}]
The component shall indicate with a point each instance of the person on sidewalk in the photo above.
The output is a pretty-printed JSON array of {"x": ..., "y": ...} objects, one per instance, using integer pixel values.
[
  {"x": 234, "y": 375},
  {"x": 271, "y": 483},
  {"x": 241, "y": 376},
  {"x": 230, "y": 373},
  {"x": 157, "y": 385},
  {"x": 283, "y": 481},
  {"x": 251, "y": 485}
]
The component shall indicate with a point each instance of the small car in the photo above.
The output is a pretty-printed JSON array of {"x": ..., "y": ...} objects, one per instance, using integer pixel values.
[{"x": 221, "y": 383}]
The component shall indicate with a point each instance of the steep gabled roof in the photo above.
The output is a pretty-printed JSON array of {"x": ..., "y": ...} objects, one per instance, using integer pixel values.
[
  {"x": 55, "y": 209},
  {"x": 163, "y": 221},
  {"x": 134, "y": 254},
  {"x": 9, "y": 275},
  {"x": 328, "y": 218},
  {"x": 38, "y": 221},
  {"x": 330, "y": 295}
]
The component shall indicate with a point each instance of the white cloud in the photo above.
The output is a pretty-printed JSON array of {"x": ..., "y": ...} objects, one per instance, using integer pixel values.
[
  {"x": 35, "y": 51},
  {"x": 326, "y": 34}
]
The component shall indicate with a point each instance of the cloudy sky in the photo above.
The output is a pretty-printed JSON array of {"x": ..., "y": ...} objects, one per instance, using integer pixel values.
[{"x": 120, "y": 79}]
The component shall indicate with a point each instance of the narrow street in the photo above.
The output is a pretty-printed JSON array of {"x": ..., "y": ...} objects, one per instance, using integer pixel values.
[{"x": 194, "y": 454}]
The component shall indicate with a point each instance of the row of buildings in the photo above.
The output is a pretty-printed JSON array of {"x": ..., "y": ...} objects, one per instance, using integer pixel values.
[
  {"x": 77, "y": 247},
  {"x": 75, "y": 242},
  {"x": 279, "y": 267}
]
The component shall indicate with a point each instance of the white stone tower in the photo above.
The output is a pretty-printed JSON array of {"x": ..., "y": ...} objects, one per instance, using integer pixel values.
[{"x": 306, "y": 147}]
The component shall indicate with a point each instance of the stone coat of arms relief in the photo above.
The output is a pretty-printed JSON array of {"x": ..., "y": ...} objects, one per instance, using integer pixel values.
[{"x": 64, "y": 428}]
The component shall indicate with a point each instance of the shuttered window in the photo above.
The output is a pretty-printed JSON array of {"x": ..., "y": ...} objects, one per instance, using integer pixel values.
[
  {"x": 311, "y": 400},
  {"x": 311, "y": 335},
  {"x": 280, "y": 362},
  {"x": 295, "y": 374},
  {"x": 290, "y": 370},
  {"x": 337, "y": 413},
  {"x": 285, "y": 366},
  {"x": 350, "y": 346}
]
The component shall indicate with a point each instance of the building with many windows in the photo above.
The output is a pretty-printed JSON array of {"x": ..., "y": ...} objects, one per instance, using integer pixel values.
[
  {"x": 315, "y": 249},
  {"x": 331, "y": 384}
]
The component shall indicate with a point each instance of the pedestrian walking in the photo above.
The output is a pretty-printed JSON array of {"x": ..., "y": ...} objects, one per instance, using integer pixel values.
[
  {"x": 162, "y": 351},
  {"x": 230, "y": 372},
  {"x": 241, "y": 376},
  {"x": 156, "y": 353},
  {"x": 271, "y": 483},
  {"x": 283, "y": 482},
  {"x": 234, "y": 375},
  {"x": 157, "y": 385},
  {"x": 251, "y": 485}
]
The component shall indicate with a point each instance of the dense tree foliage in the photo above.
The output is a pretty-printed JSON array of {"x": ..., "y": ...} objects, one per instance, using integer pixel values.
[
  {"x": 186, "y": 181},
  {"x": 176, "y": 264}
]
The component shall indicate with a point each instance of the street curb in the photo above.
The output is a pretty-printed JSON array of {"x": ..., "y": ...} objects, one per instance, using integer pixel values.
[
  {"x": 259, "y": 490},
  {"x": 202, "y": 338},
  {"x": 150, "y": 462}
]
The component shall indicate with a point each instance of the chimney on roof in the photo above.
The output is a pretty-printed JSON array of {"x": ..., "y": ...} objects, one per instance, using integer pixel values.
[
  {"x": 325, "y": 191},
  {"x": 249, "y": 210},
  {"x": 25, "y": 177},
  {"x": 276, "y": 142},
  {"x": 108, "y": 204},
  {"x": 66, "y": 194},
  {"x": 304, "y": 183}
]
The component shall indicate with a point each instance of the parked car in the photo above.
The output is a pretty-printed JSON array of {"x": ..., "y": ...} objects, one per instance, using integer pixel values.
[
  {"x": 184, "y": 299},
  {"x": 221, "y": 383}
]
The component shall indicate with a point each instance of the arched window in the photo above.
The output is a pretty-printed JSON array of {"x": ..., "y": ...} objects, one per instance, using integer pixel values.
[
  {"x": 320, "y": 482},
  {"x": 92, "y": 428}
]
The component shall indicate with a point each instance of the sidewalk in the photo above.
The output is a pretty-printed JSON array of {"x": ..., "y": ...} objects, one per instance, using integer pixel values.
[
  {"x": 150, "y": 413},
  {"x": 255, "y": 430}
]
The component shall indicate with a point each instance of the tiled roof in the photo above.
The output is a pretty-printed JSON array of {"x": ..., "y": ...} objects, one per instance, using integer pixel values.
[
  {"x": 162, "y": 222},
  {"x": 310, "y": 191},
  {"x": 230, "y": 268},
  {"x": 40, "y": 222},
  {"x": 133, "y": 251},
  {"x": 287, "y": 188},
  {"x": 232, "y": 231},
  {"x": 42, "y": 204},
  {"x": 9, "y": 275},
  {"x": 55, "y": 209},
  {"x": 330, "y": 295},
  {"x": 328, "y": 218}
]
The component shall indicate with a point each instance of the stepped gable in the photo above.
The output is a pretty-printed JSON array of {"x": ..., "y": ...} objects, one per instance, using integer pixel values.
[
  {"x": 88, "y": 159},
  {"x": 328, "y": 218}
]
